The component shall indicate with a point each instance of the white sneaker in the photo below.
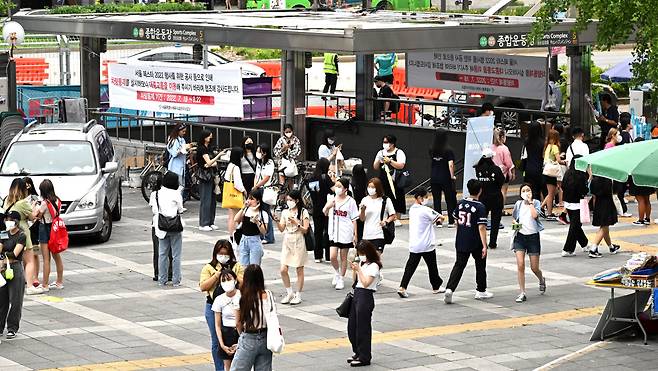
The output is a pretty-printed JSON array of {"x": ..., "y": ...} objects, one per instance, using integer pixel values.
[
  {"x": 566, "y": 254},
  {"x": 441, "y": 290},
  {"x": 214, "y": 227},
  {"x": 286, "y": 299},
  {"x": 340, "y": 283},
  {"x": 33, "y": 290},
  {"x": 335, "y": 280},
  {"x": 296, "y": 299},
  {"x": 483, "y": 295},
  {"x": 46, "y": 289},
  {"x": 398, "y": 223},
  {"x": 205, "y": 229},
  {"x": 626, "y": 215},
  {"x": 403, "y": 294},
  {"x": 448, "y": 297}
]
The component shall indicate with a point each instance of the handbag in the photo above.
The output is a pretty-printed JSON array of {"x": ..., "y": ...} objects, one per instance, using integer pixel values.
[
  {"x": 617, "y": 202},
  {"x": 205, "y": 174},
  {"x": 231, "y": 197},
  {"x": 288, "y": 167},
  {"x": 552, "y": 169},
  {"x": 403, "y": 179},
  {"x": 584, "y": 211},
  {"x": 270, "y": 195},
  {"x": 389, "y": 228},
  {"x": 275, "y": 341},
  {"x": 166, "y": 223},
  {"x": 343, "y": 309}
]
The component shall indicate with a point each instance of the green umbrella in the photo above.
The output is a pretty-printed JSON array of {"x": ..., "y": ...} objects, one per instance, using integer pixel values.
[{"x": 639, "y": 160}]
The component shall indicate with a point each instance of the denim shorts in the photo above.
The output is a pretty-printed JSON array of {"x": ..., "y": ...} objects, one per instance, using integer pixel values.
[
  {"x": 44, "y": 232},
  {"x": 529, "y": 243}
]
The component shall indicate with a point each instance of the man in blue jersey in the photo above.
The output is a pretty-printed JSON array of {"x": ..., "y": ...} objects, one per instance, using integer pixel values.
[{"x": 471, "y": 217}]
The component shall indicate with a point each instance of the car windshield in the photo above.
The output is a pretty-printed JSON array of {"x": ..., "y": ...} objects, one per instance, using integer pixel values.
[{"x": 49, "y": 158}]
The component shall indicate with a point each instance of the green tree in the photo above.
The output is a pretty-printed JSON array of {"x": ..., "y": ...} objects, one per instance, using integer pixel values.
[{"x": 617, "y": 20}]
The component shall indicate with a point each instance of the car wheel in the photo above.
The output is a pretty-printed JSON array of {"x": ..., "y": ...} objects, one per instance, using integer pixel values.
[
  {"x": 106, "y": 229},
  {"x": 117, "y": 211}
]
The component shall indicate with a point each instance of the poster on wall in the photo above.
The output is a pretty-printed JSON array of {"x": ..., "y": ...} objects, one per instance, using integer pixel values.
[
  {"x": 479, "y": 135},
  {"x": 491, "y": 74},
  {"x": 191, "y": 91}
]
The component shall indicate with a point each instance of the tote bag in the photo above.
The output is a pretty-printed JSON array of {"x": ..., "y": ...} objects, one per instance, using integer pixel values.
[
  {"x": 275, "y": 341},
  {"x": 584, "y": 211},
  {"x": 231, "y": 197}
]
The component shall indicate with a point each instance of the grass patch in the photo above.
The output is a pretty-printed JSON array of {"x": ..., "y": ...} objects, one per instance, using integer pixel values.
[{"x": 127, "y": 8}]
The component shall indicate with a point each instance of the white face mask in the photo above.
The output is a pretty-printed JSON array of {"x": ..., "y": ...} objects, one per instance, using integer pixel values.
[
  {"x": 259, "y": 155},
  {"x": 424, "y": 202},
  {"x": 339, "y": 191},
  {"x": 372, "y": 191},
  {"x": 291, "y": 204},
  {"x": 223, "y": 259},
  {"x": 228, "y": 286},
  {"x": 330, "y": 141},
  {"x": 619, "y": 138},
  {"x": 526, "y": 196},
  {"x": 10, "y": 224},
  {"x": 288, "y": 135},
  {"x": 362, "y": 258},
  {"x": 386, "y": 146}
]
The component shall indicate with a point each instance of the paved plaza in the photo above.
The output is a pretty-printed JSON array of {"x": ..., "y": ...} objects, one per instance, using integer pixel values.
[{"x": 112, "y": 316}]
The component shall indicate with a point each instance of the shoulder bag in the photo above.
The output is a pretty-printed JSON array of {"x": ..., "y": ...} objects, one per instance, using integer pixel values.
[
  {"x": 165, "y": 223},
  {"x": 309, "y": 237},
  {"x": 389, "y": 228},
  {"x": 231, "y": 197},
  {"x": 403, "y": 177},
  {"x": 275, "y": 341},
  {"x": 343, "y": 309}
]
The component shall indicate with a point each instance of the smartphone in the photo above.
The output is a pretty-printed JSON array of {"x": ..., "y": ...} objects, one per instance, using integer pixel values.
[{"x": 4, "y": 235}]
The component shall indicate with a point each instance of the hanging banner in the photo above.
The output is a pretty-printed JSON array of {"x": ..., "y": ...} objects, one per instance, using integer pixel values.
[
  {"x": 479, "y": 135},
  {"x": 492, "y": 74},
  {"x": 192, "y": 91}
]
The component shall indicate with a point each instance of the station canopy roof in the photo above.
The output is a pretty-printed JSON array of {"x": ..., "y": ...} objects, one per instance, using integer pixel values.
[{"x": 339, "y": 31}]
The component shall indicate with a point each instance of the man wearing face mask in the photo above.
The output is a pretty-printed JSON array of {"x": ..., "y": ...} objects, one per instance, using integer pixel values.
[
  {"x": 421, "y": 242},
  {"x": 11, "y": 294}
]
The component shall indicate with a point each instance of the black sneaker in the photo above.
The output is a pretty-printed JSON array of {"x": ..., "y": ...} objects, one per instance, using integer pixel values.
[
  {"x": 563, "y": 219},
  {"x": 647, "y": 221},
  {"x": 639, "y": 222},
  {"x": 614, "y": 249},
  {"x": 542, "y": 213},
  {"x": 595, "y": 254},
  {"x": 11, "y": 334}
]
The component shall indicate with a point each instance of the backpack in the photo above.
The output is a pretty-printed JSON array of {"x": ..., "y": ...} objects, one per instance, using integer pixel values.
[{"x": 59, "y": 235}]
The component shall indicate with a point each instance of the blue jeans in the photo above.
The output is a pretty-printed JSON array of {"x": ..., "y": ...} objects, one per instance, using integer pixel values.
[
  {"x": 252, "y": 351},
  {"x": 250, "y": 250},
  {"x": 269, "y": 235},
  {"x": 172, "y": 242},
  {"x": 214, "y": 341}
]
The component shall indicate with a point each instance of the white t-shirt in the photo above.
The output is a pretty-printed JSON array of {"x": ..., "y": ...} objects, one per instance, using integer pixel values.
[
  {"x": 264, "y": 170},
  {"x": 324, "y": 151},
  {"x": 371, "y": 270},
  {"x": 227, "y": 306},
  {"x": 372, "y": 230},
  {"x": 528, "y": 223},
  {"x": 421, "y": 228},
  {"x": 341, "y": 216},
  {"x": 576, "y": 148},
  {"x": 233, "y": 173},
  {"x": 400, "y": 156}
]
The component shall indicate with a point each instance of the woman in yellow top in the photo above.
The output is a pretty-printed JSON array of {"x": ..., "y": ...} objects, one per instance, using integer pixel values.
[
  {"x": 223, "y": 257},
  {"x": 551, "y": 156},
  {"x": 17, "y": 201}
]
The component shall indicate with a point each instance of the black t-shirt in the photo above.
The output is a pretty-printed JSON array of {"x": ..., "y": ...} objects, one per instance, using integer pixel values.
[
  {"x": 10, "y": 243},
  {"x": 386, "y": 92},
  {"x": 492, "y": 181},
  {"x": 625, "y": 137},
  {"x": 470, "y": 214},
  {"x": 612, "y": 113},
  {"x": 200, "y": 151},
  {"x": 440, "y": 169},
  {"x": 320, "y": 189}
]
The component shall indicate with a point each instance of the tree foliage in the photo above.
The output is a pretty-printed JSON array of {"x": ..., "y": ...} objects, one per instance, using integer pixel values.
[{"x": 618, "y": 20}]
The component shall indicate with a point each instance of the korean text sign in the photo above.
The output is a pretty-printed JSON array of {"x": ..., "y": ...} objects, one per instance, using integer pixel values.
[
  {"x": 192, "y": 91},
  {"x": 492, "y": 74}
]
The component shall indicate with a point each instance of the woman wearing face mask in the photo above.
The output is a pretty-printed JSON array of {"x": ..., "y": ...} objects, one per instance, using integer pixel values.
[
  {"x": 371, "y": 213},
  {"x": 288, "y": 147},
  {"x": 342, "y": 213},
  {"x": 359, "y": 324},
  {"x": 526, "y": 240},
  {"x": 254, "y": 224},
  {"x": 248, "y": 163},
  {"x": 222, "y": 259},
  {"x": 575, "y": 189},
  {"x": 294, "y": 223},
  {"x": 223, "y": 306},
  {"x": 264, "y": 174},
  {"x": 178, "y": 150},
  {"x": 612, "y": 139},
  {"x": 551, "y": 156},
  {"x": 234, "y": 175},
  {"x": 11, "y": 294},
  {"x": 328, "y": 148},
  {"x": 390, "y": 161},
  {"x": 208, "y": 205}
]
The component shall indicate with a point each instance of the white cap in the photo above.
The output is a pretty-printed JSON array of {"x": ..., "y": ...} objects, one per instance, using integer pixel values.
[{"x": 487, "y": 153}]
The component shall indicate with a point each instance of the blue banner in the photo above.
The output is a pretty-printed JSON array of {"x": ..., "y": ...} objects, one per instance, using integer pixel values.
[{"x": 479, "y": 135}]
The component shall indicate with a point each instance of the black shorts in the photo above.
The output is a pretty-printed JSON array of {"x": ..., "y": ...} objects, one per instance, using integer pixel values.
[
  {"x": 379, "y": 244},
  {"x": 341, "y": 245},
  {"x": 230, "y": 337},
  {"x": 387, "y": 78},
  {"x": 550, "y": 180}
]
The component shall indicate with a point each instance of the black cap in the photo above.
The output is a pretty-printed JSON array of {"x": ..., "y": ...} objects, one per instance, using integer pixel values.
[{"x": 13, "y": 215}]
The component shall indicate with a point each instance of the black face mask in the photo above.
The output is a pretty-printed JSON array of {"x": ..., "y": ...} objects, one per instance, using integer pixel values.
[{"x": 249, "y": 146}]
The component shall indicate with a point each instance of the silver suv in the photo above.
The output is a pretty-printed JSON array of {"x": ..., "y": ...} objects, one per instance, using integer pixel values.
[{"x": 80, "y": 161}]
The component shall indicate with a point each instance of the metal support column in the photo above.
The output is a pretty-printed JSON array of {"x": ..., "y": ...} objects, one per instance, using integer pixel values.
[
  {"x": 90, "y": 67},
  {"x": 364, "y": 80},
  {"x": 580, "y": 91},
  {"x": 293, "y": 94}
]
